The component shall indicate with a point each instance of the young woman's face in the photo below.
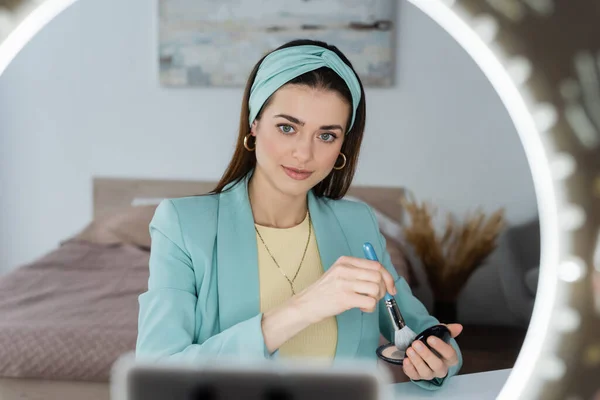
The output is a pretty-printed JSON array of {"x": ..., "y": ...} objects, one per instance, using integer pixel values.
[{"x": 299, "y": 137}]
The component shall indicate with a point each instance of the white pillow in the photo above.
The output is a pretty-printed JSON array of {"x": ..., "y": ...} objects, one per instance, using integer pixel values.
[
  {"x": 388, "y": 226},
  {"x": 146, "y": 201}
]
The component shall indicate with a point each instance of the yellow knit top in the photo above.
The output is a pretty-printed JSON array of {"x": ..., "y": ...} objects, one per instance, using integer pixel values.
[{"x": 287, "y": 246}]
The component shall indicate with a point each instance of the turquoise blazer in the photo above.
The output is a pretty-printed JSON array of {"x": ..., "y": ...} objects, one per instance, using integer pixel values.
[{"x": 203, "y": 293}]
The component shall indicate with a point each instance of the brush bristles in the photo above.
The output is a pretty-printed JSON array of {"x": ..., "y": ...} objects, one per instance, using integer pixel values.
[{"x": 404, "y": 337}]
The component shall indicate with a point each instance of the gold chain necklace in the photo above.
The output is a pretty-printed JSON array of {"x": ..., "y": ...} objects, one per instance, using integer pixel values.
[{"x": 291, "y": 282}]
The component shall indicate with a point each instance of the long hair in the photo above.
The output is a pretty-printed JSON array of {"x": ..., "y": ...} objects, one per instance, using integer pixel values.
[{"x": 336, "y": 184}]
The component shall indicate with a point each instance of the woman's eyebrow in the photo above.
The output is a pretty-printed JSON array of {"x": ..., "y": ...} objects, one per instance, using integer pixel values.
[
  {"x": 301, "y": 123},
  {"x": 291, "y": 119},
  {"x": 331, "y": 127}
]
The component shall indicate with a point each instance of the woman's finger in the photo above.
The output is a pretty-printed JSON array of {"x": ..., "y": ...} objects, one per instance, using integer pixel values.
[
  {"x": 360, "y": 262},
  {"x": 352, "y": 272},
  {"x": 375, "y": 266},
  {"x": 365, "y": 288},
  {"x": 455, "y": 329},
  {"x": 382, "y": 289},
  {"x": 409, "y": 370},
  {"x": 364, "y": 303},
  {"x": 437, "y": 365},
  {"x": 422, "y": 368},
  {"x": 445, "y": 350},
  {"x": 390, "y": 287}
]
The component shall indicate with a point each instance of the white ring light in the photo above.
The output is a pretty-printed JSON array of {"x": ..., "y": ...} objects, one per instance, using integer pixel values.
[
  {"x": 538, "y": 361},
  {"x": 525, "y": 124}
]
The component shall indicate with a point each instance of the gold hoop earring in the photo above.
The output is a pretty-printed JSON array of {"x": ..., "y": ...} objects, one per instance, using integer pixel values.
[
  {"x": 343, "y": 164},
  {"x": 246, "y": 143}
]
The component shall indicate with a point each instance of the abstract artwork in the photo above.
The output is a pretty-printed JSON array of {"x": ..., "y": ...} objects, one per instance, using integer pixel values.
[{"x": 217, "y": 42}]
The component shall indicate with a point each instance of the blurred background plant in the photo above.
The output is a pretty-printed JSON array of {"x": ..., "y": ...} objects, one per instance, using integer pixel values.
[{"x": 451, "y": 256}]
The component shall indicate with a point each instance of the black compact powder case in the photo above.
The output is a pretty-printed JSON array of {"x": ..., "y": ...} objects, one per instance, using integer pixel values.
[{"x": 397, "y": 357}]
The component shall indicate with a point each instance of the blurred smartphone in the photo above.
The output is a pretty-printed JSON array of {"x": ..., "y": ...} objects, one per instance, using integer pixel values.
[{"x": 131, "y": 380}]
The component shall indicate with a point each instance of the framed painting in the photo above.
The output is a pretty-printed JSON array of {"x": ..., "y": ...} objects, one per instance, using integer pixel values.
[{"x": 217, "y": 42}]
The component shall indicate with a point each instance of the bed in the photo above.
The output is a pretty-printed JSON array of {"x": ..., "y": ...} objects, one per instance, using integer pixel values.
[{"x": 66, "y": 317}]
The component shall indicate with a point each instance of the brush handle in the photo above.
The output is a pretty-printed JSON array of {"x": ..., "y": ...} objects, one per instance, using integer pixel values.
[
  {"x": 369, "y": 252},
  {"x": 390, "y": 303},
  {"x": 371, "y": 255},
  {"x": 394, "y": 313}
]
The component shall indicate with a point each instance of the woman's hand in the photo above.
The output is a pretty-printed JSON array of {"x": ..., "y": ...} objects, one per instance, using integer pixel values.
[
  {"x": 350, "y": 283},
  {"x": 422, "y": 364}
]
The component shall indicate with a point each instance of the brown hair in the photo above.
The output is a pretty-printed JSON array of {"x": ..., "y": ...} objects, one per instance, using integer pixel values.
[{"x": 336, "y": 184}]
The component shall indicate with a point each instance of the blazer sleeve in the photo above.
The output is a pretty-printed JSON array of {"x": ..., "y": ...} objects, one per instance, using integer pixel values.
[
  {"x": 167, "y": 319},
  {"x": 414, "y": 312}
]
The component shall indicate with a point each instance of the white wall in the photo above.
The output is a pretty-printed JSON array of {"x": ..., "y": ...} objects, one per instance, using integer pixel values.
[{"x": 82, "y": 100}]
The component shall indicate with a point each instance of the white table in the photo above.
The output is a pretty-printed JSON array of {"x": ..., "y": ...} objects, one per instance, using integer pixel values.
[{"x": 479, "y": 386}]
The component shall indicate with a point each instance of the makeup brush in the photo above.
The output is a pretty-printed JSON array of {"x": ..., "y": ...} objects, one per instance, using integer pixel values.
[{"x": 403, "y": 335}]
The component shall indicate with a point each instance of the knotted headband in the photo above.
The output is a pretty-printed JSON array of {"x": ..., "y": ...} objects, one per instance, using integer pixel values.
[{"x": 281, "y": 66}]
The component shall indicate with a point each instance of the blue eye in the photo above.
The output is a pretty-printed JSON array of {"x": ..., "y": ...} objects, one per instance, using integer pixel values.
[
  {"x": 286, "y": 128},
  {"x": 328, "y": 137}
]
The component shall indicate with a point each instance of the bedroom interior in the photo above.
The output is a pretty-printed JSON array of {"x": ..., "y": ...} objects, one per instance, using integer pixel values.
[{"x": 92, "y": 147}]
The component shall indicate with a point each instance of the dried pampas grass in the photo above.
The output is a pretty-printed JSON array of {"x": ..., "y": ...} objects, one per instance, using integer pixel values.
[{"x": 450, "y": 258}]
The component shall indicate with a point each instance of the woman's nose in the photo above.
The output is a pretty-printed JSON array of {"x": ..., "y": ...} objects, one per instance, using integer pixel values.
[{"x": 303, "y": 149}]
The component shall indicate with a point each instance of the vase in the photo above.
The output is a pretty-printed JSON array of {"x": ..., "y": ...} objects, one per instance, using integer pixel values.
[{"x": 445, "y": 311}]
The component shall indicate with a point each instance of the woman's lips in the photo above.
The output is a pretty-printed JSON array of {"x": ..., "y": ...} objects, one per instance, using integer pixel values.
[{"x": 297, "y": 174}]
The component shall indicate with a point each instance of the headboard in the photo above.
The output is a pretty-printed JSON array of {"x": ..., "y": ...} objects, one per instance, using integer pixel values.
[{"x": 115, "y": 194}]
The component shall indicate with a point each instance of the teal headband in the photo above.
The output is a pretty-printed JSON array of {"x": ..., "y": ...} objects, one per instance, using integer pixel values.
[{"x": 281, "y": 66}]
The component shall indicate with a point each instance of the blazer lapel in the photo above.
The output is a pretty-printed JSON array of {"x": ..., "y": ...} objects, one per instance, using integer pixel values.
[
  {"x": 332, "y": 244},
  {"x": 237, "y": 257}
]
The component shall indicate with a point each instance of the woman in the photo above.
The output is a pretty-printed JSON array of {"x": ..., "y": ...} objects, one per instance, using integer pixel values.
[{"x": 270, "y": 263}]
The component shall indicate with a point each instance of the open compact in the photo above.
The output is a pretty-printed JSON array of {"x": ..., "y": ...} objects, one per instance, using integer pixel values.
[{"x": 391, "y": 354}]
